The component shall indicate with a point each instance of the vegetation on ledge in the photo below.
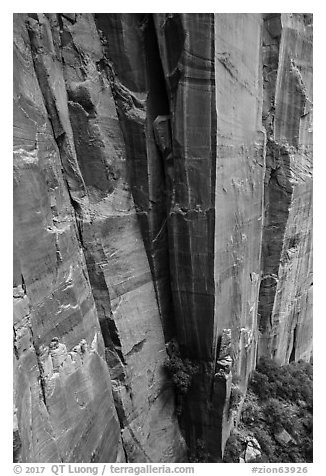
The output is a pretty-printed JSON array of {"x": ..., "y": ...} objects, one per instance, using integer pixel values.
[{"x": 181, "y": 372}]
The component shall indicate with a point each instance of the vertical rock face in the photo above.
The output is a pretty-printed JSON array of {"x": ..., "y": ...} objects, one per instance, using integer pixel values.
[
  {"x": 162, "y": 192},
  {"x": 240, "y": 167},
  {"x": 138, "y": 87},
  {"x": 186, "y": 44},
  {"x": 285, "y": 311},
  {"x": 214, "y": 82},
  {"x": 60, "y": 402},
  {"x": 83, "y": 262}
]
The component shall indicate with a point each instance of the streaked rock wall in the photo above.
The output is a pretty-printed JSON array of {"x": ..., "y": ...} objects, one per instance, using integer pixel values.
[
  {"x": 285, "y": 311},
  {"x": 240, "y": 168},
  {"x": 162, "y": 189},
  {"x": 215, "y": 216},
  {"x": 59, "y": 410},
  {"x": 83, "y": 262}
]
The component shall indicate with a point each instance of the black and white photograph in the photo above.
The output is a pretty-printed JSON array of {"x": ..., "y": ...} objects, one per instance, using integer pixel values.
[{"x": 162, "y": 241}]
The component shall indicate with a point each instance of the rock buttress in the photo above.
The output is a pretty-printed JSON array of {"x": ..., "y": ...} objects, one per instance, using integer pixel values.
[
  {"x": 212, "y": 67},
  {"x": 240, "y": 168}
]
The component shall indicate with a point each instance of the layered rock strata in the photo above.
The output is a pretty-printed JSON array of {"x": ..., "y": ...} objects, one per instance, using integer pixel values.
[{"x": 162, "y": 193}]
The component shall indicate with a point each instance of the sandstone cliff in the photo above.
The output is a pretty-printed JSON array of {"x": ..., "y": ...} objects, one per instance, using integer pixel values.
[
  {"x": 162, "y": 191},
  {"x": 285, "y": 313}
]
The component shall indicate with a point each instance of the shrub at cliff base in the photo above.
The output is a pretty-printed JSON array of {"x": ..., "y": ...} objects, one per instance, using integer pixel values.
[{"x": 277, "y": 412}]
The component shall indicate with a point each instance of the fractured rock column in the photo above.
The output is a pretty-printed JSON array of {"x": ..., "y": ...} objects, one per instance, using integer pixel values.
[{"x": 285, "y": 311}]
